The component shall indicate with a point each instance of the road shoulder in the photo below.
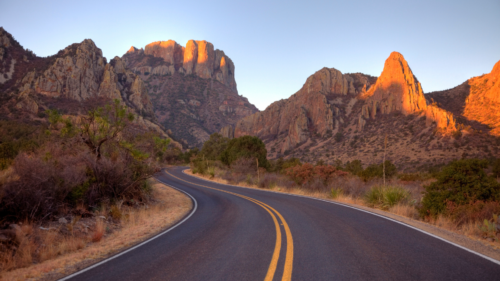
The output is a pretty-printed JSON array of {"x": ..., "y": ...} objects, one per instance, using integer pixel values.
[{"x": 455, "y": 238}]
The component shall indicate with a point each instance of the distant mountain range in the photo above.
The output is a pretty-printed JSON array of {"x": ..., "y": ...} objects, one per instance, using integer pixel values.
[
  {"x": 188, "y": 93},
  {"x": 185, "y": 93},
  {"x": 346, "y": 117}
]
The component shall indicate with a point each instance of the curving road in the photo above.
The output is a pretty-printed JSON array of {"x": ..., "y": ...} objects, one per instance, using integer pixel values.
[{"x": 245, "y": 234}]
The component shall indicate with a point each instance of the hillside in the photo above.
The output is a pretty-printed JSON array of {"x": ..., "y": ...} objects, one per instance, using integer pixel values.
[
  {"x": 344, "y": 117},
  {"x": 476, "y": 102},
  {"x": 192, "y": 88},
  {"x": 72, "y": 81}
]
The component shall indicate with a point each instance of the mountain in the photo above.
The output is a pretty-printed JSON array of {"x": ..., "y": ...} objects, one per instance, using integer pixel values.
[
  {"x": 72, "y": 81},
  {"x": 476, "y": 102},
  {"x": 345, "y": 117},
  {"x": 192, "y": 89}
]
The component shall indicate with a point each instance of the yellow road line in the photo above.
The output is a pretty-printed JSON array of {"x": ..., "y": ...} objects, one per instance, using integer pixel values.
[{"x": 287, "y": 271}]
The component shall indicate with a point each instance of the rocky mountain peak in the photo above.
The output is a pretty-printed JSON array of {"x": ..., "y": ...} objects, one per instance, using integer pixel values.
[
  {"x": 192, "y": 88},
  {"x": 199, "y": 58},
  {"x": 398, "y": 87}
]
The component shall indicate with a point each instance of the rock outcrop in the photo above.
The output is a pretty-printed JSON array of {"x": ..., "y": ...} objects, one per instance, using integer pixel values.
[
  {"x": 476, "y": 102},
  {"x": 77, "y": 74},
  {"x": 197, "y": 58},
  {"x": 312, "y": 111},
  {"x": 343, "y": 117},
  {"x": 192, "y": 89},
  {"x": 398, "y": 90}
]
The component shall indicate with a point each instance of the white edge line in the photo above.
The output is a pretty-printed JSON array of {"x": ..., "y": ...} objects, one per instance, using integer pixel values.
[
  {"x": 142, "y": 243},
  {"x": 355, "y": 208}
]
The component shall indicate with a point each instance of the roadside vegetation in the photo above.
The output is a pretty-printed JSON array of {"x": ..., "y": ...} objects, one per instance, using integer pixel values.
[
  {"x": 73, "y": 180},
  {"x": 463, "y": 196}
]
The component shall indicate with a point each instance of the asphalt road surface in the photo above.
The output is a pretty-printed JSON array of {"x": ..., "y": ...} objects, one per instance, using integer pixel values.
[{"x": 246, "y": 234}]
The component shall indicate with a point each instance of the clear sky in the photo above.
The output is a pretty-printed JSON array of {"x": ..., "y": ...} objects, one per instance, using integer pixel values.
[{"x": 276, "y": 45}]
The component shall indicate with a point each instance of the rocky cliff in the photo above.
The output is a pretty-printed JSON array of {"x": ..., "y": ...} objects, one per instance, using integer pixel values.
[
  {"x": 192, "y": 88},
  {"x": 70, "y": 81},
  {"x": 343, "y": 117},
  {"x": 475, "y": 103}
]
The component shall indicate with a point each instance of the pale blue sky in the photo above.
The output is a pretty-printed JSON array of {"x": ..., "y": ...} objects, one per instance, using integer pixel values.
[{"x": 276, "y": 45}]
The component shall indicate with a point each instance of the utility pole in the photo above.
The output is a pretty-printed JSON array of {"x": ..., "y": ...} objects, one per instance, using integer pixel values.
[
  {"x": 385, "y": 149},
  {"x": 258, "y": 176}
]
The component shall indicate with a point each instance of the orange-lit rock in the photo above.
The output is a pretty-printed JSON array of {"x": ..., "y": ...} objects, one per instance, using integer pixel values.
[
  {"x": 310, "y": 112},
  {"x": 198, "y": 58},
  {"x": 398, "y": 86},
  {"x": 170, "y": 51},
  {"x": 206, "y": 57},
  {"x": 483, "y": 100},
  {"x": 190, "y": 56}
]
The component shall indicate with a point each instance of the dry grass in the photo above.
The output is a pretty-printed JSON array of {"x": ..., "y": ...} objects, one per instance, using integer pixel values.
[
  {"x": 402, "y": 210},
  {"x": 58, "y": 255}
]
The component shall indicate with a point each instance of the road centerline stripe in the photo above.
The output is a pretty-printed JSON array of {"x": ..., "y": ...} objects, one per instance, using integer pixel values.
[{"x": 287, "y": 271}]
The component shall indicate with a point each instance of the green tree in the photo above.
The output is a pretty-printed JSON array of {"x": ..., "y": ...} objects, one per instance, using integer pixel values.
[
  {"x": 103, "y": 125},
  {"x": 355, "y": 167},
  {"x": 461, "y": 182},
  {"x": 377, "y": 171},
  {"x": 213, "y": 147},
  {"x": 160, "y": 147},
  {"x": 245, "y": 147},
  {"x": 496, "y": 168}
]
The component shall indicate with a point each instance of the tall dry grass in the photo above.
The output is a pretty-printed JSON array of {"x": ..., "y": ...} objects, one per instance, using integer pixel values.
[
  {"x": 41, "y": 251},
  {"x": 402, "y": 198}
]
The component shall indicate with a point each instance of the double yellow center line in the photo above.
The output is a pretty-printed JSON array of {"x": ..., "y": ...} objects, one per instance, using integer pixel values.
[{"x": 287, "y": 271}]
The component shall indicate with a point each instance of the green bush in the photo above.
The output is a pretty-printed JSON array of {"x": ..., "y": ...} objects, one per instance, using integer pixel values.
[
  {"x": 213, "y": 148},
  {"x": 386, "y": 197},
  {"x": 245, "y": 147},
  {"x": 377, "y": 171},
  {"x": 355, "y": 167},
  {"x": 461, "y": 182},
  {"x": 496, "y": 168}
]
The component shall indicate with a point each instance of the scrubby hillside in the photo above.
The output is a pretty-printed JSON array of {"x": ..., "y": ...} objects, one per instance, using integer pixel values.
[
  {"x": 192, "y": 88},
  {"x": 344, "y": 117}
]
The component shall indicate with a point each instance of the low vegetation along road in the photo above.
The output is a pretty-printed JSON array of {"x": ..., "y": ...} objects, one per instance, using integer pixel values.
[{"x": 236, "y": 233}]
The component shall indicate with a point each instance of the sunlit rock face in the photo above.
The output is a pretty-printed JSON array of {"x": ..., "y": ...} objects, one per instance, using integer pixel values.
[
  {"x": 317, "y": 109},
  {"x": 398, "y": 86},
  {"x": 483, "y": 100},
  {"x": 170, "y": 51},
  {"x": 193, "y": 95},
  {"x": 398, "y": 90},
  {"x": 198, "y": 58},
  {"x": 71, "y": 81}
]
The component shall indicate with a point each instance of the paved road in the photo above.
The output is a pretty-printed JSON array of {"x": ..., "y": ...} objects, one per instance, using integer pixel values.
[{"x": 232, "y": 235}]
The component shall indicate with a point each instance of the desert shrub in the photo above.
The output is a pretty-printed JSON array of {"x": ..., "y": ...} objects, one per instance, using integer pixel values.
[
  {"x": 268, "y": 180},
  {"x": 316, "y": 184},
  {"x": 414, "y": 176},
  {"x": 350, "y": 185},
  {"x": 302, "y": 174},
  {"x": 386, "y": 197},
  {"x": 213, "y": 147},
  {"x": 199, "y": 166},
  {"x": 355, "y": 167},
  {"x": 461, "y": 182},
  {"x": 244, "y": 166},
  {"x": 99, "y": 162},
  {"x": 245, "y": 147},
  {"x": 16, "y": 137},
  {"x": 377, "y": 171},
  {"x": 335, "y": 193},
  {"x": 496, "y": 168},
  {"x": 476, "y": 211},
  {"x": 339, "y": 137},
  {"x": 281, "y": 165}
]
